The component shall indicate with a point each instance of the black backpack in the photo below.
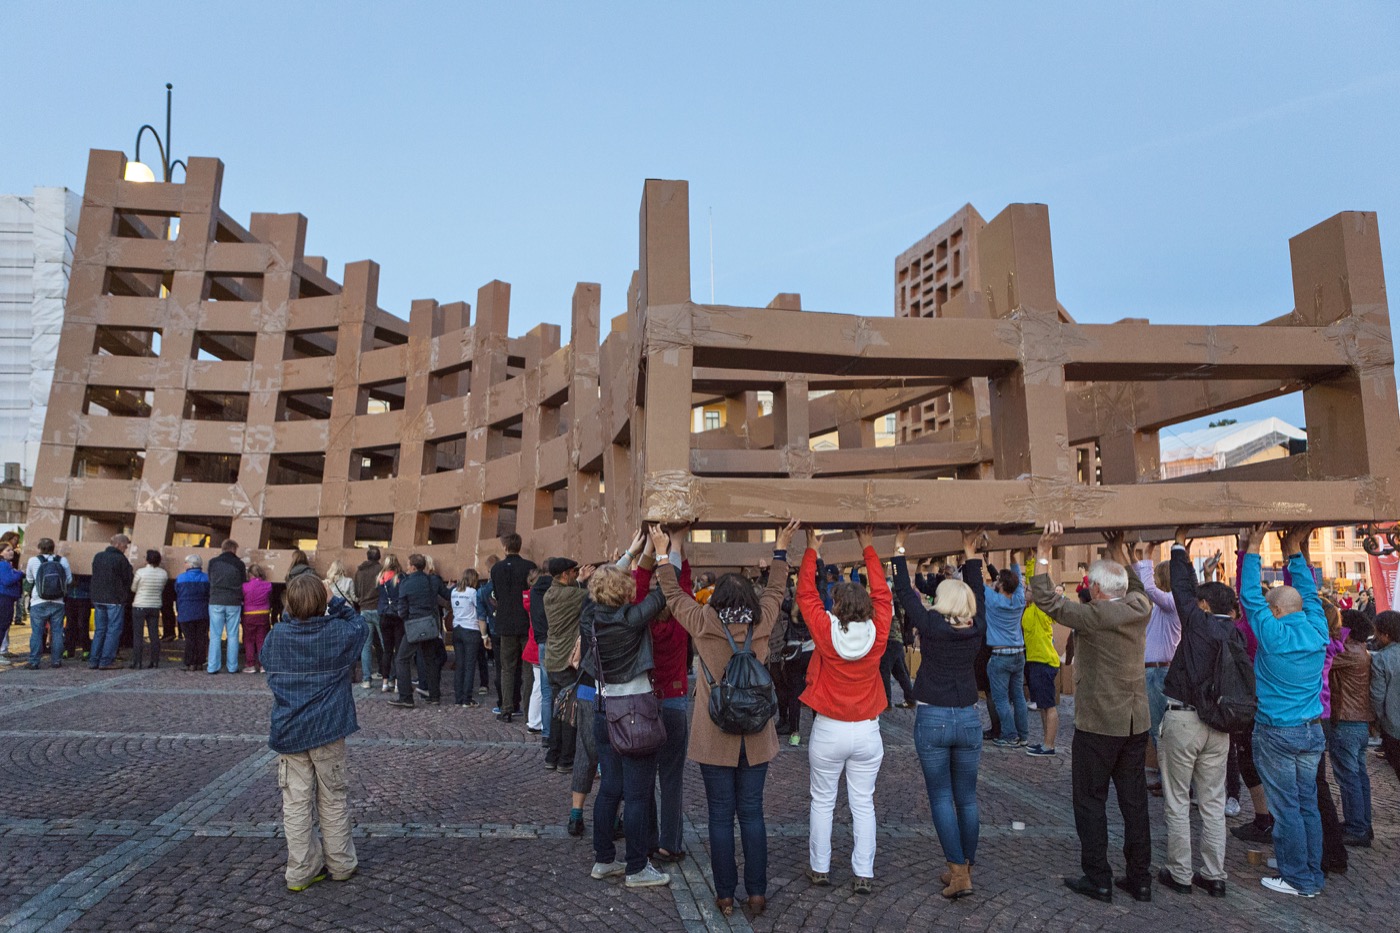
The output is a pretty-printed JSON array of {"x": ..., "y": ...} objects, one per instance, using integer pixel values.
[
  {"x": 744, "y": 700},
  {"x": 49, "y": 580},
  {"x": 1228, "y": 702}
]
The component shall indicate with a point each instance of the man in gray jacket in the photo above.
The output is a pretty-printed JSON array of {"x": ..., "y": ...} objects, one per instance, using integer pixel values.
[{"x": 1111, "y": 717}]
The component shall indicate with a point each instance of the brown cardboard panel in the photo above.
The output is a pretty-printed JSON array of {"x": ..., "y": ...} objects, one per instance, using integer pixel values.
[{"x": 571, "y": 443}]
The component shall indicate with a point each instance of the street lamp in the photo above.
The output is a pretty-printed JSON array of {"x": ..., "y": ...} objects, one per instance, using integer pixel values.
[{"x": 137, "y": 170}]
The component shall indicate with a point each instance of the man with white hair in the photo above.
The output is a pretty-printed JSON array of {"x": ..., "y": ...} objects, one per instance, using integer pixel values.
[
  {"x": 1111, "y": 717},
  {"x": 1288, "y": 742}
]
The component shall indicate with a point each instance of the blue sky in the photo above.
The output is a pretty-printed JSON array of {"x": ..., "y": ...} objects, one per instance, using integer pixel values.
[{"x": 1177, "y": 145}]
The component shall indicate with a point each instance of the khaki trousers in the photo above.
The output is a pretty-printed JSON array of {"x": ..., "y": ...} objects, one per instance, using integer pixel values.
[
  {"x": 312, "y": 782},
  {"x": 1190, "y": 751}
]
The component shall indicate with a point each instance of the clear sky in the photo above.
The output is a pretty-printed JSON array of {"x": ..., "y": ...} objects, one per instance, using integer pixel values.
[{"x": 1178, "y": 145}]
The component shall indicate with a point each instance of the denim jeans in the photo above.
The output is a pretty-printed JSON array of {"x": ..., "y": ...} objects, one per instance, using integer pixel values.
[
  {"x": 1006, "y": 674},
  {"x": 624, "y": 778},
  {"x": 730, "y": 792},
  {"x": 1287, "y": 759},
  {"x": 50, "y": 614},
  {"x": 1346, "y": 745},
  {"x": 665, "y": 824},
  {"x": 466, "y": 645},
  {"x": 223, "y": 620},
  {"x": 949, "y": 743},
  {"x": 375, "y": 640},
  {"x": 108, "y": 619},
  {"x": 1156, "y": 699},
  {"x": 546, "y": 701}
]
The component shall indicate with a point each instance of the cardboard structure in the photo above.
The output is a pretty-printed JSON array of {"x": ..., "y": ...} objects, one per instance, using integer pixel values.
[{"x": 216, "y": 382}]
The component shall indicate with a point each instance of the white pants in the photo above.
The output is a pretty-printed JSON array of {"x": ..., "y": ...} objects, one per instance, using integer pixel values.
[
  {"x": 532, "y": 717},
  {"x": 856, "y": 748},
  {"x": 1191, "y": 752}
]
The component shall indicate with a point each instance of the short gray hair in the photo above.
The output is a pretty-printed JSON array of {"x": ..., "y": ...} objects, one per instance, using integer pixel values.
[
  {"x": 1110, "y": 577},
  {"x": 195, "y": 561}
]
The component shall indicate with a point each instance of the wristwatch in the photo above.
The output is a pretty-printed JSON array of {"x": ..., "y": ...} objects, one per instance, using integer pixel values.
[
  {"x": 899, "y": 550},
  {"x": 1045, "y": 562}
]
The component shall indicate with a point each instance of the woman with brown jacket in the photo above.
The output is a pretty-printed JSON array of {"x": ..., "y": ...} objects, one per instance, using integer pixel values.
[{"x": 734, "y": 767}]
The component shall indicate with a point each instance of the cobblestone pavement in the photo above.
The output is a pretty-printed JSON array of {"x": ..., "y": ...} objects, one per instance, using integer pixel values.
[{"x": 146, "y": 800}]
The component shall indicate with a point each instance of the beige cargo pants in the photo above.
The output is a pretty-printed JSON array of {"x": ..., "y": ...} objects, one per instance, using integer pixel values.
[{"x": 314, "y": 782}]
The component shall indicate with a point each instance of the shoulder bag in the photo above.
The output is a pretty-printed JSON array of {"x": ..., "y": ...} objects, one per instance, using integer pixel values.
[{"x": 634, "y": 721}]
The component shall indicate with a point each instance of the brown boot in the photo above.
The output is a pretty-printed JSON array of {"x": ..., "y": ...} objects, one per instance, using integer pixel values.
[
  {"x": 947, "y": 876},
  {"x": 959, "y": 881}
]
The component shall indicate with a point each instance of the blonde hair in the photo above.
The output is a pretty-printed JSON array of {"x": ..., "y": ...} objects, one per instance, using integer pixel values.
[
  {"x": 611, "y": 586},
  {"x": 257, "y": 572},
  {"x": 428, "y": 565},
  {"x": 336, "y": 571},
  {"x": 955, "y": 601}
]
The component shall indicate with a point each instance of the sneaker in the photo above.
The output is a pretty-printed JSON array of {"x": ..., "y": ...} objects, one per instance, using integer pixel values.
[
  {"x": 420, "y": 691},
  {"x": 401, "y": 704},
  {"x": 1005, "y": 743},
  {"x": 648, "y": 877},
  {"x": 534, "y": 731},
  {"x": 469, "y": 704},
  {"x": 795, "y": 740},
  {"x": 5, "y": 662},
  {"x": 376, "y": 676},
  {"x": 495, "y": 710},
  {"x": 388, "y": 686},
  {"x": 319, "y": 876},
  {"x": 1232, "y": 807},
  {"x": 603, "y": 870},
  {"x": 250, "y": 670},
  {"x": 1253, "y": 832},
  {"x": 365, "y": 684},
  {"x": 1280, "y": 886},
  {"x": 1023, "y": 742},
  {"x": 1040, "y": 751}
]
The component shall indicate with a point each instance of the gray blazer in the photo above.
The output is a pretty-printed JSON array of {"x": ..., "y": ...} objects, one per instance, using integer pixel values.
[{"x": 1110, "y": 682}]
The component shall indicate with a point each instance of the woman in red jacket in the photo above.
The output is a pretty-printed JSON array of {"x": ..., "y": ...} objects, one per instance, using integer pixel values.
[{"x": 845, "y": 691}]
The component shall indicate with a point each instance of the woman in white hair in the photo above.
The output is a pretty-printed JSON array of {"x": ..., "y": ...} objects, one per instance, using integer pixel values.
[{"x": 845, "y": 691}]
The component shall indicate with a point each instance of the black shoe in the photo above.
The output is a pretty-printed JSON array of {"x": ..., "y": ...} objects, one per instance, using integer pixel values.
[
  {"x": 533, "y": 731},
  {"x": 469, "y": 704},
  {"x": 1358, "y": 842},
  {"x": 1165, "y": 879},
  {"x": 434, "y": 701},
  {"x": 401, "y": 704},
  {"x": 1213, "y": 888},
  {"x": 575, "y": 825},
  {"x": 33, "y": 667},
  {"x": 565, "y": 769},
  {"x": 503, "y": 717},
  {"x": 550, "y": 766},
  {"x": 1139, "y": 892},
  {"x": 1253, "y": 832},
  {"x": 1087, "y": 888},
  {"x": 1334, "y": 867},
  {"x": 987, "y": 736}
]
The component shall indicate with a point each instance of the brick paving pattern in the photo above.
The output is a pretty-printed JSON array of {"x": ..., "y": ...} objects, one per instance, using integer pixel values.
[{"x": 148, "y": 801}]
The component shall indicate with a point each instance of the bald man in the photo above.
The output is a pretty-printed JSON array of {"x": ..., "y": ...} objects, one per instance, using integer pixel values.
[{"x": 1288, "y": 741}]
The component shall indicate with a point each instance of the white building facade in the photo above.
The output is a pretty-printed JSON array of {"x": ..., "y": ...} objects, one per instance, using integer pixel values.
[{"x": 37, "y": 236}]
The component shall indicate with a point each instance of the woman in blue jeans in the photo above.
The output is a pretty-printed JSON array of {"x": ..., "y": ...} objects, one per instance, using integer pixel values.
[
  {"x": 947, "y": 727},
  {"x": 616, "y": 650}
]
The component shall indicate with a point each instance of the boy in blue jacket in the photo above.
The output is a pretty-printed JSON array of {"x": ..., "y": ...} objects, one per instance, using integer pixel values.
[{"x": 308, "y": 658}]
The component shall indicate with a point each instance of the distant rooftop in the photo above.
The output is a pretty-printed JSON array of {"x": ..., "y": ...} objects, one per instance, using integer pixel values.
[{"x": 1229, "y": 444}]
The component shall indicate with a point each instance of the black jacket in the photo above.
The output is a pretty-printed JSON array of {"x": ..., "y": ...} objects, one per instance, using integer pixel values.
[
  {"x": 111, "y": 577},
  {"x": 419, "y": 595},
  {"x": 538, "y": 622},
  {"x": 226, "y": 578},
  {"x": 509, "y": 580},
  {"x": 1201, "y": 636},
  {"x": 624, "y": 637},
  {"x": 945, "y": 675}
]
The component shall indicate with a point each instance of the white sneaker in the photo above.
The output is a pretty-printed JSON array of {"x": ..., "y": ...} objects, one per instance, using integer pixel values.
[
  {"x": 603, "y": 870},
  {"x": 1282, "y": 887},
  {"x": 1232, "y": 807},
  {"x": 648, "y": 877},
  {"x": 365, "y": 684}
]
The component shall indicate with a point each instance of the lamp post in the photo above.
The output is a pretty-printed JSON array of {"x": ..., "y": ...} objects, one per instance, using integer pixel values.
[{"x": 137, "y": 170}]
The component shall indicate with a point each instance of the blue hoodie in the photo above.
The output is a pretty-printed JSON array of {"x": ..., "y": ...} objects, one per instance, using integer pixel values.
[
  {"x": 1292, "y": 648},
  {"x": 11, "y": 581}
]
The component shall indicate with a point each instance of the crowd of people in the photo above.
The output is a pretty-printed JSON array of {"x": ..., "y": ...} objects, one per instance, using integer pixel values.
[{"x": 1183, "y": 687}]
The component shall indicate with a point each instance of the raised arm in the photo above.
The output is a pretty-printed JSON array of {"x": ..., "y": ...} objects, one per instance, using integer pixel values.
[
  {"x": 809, "y": 600},
  {"x": 1188, "y": 609},
  {"x": 881, "y": 601}
]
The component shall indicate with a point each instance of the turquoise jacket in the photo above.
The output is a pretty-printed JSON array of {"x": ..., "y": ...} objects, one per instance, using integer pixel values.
[{"x": 1292, "y": 649}]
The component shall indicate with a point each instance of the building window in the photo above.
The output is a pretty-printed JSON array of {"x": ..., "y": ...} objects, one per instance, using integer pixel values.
[
  {"x": 890, "y": 423},
  {"x": 1359, "y": 568},
  {"x": 1339, "y": 535},
  {"x": 1341, "y": 570},
  {"x": 711, "y": 420}
]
